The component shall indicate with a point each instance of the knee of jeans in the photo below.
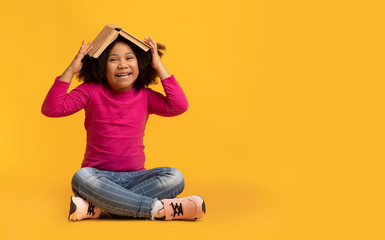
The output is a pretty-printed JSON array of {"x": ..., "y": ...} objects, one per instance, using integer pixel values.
[
  {"x": 81, "y": 176},
  {"x": 177, "y": 177}
]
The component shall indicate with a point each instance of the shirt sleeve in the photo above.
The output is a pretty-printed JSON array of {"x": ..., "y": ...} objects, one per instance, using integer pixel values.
[
  {"x": 173, "y": 104},
  {"x": 59, "y": 103}
]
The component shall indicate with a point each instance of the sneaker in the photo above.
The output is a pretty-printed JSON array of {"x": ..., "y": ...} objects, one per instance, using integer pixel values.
[
  {"x": 187, "y": 208},
  {"x": 81, "y": 209}
]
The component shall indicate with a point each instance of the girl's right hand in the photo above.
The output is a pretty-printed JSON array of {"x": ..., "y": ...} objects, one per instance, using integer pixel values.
[{"x": 76, "y": 64}]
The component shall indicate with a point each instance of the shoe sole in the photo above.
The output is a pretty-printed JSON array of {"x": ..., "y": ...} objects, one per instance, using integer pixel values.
[
  {"x": 72, "y": 209},
  {"x": 203, "y": 207}
]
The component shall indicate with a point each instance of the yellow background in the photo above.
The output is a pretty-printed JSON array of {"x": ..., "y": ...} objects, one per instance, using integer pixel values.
[{"x": 284, "y": 137}]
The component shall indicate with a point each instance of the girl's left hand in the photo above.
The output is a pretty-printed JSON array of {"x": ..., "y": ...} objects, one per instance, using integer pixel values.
[{"x": 156, "y": 61}]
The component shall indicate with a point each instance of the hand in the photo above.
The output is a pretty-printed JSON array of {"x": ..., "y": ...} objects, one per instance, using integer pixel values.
[
  {"x": 156, "y": 62},
  {"x": 76, "y": 64}
]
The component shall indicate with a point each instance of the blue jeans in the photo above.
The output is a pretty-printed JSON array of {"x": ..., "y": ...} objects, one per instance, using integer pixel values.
[{"x": 131, "y": 194}]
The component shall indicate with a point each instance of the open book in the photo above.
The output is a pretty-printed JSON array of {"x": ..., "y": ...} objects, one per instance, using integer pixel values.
[{"x": 109, "y": 33}]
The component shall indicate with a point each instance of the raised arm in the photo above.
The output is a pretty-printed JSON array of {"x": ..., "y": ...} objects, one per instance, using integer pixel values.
[
  {"x": 157, "y": 63},
  {"x": 76, "y": 64},
  {"x": 175, "y": 102},
  {"x": 58, "y": 102}
]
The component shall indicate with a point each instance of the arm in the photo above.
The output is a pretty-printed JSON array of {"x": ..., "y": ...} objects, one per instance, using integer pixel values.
[
  {"x": 175, "y": 102},
  {"x": 76, "y": 64},
  {"x": 57, "y": 102},
  {"x": 157, "y": 63}
]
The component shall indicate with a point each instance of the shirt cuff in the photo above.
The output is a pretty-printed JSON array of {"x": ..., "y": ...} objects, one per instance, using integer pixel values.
[
  {"x": 57, "y": 80},
  {"x": 170, "y": 78}
]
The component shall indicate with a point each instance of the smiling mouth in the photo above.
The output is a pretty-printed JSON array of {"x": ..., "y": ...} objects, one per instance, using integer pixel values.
[{"x": 124, "y": 75}]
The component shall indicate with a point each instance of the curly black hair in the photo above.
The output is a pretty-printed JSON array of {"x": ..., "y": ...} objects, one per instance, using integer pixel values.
[{"x": 94, "y": 69}]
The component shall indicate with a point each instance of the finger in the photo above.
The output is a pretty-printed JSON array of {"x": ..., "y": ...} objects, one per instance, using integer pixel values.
[
  {"x": 89, "y": 49},
  {"x": 81, "y": 46},
  {"x": 152, "y": 40},
  {"x": 84, "y": 49},
  {"x": 88, "y": 45},
  {"x": 152, "y": 43},
  {"x": 147, "y": 40}
]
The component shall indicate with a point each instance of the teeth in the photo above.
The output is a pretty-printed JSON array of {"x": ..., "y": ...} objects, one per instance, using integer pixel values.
[{"x": 124, "y": 75}]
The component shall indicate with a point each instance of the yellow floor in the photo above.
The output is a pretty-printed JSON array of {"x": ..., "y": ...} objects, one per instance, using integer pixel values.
[
  {"x": 258, "y": 209},
  {"x": 42, "y": 214}
]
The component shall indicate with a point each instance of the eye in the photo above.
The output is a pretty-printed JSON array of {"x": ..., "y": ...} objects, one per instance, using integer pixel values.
[
  {"x": 113, "y": 59},
  {"x": 128, "y": 58}
]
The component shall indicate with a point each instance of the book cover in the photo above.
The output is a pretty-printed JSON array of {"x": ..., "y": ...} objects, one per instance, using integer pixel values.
[{"x": 108, "y": 34}]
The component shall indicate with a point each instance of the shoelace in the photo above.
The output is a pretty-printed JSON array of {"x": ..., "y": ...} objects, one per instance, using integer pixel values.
[
  {"x": 177, "y": 209},
  {"x": 91, "y": 209}
]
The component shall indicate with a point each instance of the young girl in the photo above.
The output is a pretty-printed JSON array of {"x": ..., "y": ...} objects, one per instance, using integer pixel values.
[{"x": 117, "y": 104}]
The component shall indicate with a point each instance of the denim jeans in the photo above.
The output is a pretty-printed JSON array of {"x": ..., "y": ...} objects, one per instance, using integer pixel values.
[{"x": 131, "y": 194}]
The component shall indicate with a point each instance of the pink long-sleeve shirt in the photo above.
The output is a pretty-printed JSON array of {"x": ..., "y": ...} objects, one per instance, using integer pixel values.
[{"x": 114, "y": 120}]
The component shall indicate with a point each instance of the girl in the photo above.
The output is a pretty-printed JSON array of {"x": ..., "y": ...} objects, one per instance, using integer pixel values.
[{"x": 117, "y": 104}]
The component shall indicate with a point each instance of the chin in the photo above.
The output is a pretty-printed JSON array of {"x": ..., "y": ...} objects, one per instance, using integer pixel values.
[{"x": 124, "y": 88}]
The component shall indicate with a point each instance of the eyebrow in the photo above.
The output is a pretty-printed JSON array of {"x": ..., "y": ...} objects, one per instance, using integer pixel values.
[{"x": 114, "y": 54}]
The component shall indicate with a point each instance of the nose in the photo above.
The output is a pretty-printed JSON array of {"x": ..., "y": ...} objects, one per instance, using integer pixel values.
[{"x": 123, "y": 64}]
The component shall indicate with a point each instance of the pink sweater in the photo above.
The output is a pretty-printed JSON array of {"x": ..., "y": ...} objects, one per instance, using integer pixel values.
[{"x": 115, "y": 121}]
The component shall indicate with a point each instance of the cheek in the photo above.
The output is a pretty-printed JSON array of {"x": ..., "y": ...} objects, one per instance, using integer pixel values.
[
  {"x": 109, "y": 74},
  {"x": 136, "y": 67},
  {"x": 109, "y": 69}
]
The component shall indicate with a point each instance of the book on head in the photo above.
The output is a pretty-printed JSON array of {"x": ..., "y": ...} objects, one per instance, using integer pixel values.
[{"x": 109, "y": 33}]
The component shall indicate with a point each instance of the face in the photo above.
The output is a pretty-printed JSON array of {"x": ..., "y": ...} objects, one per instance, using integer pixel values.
[{"x": 122, "y": 67}]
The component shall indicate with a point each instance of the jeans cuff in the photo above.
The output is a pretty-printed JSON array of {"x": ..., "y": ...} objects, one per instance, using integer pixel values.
[{"x": 153, "y": 210}]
